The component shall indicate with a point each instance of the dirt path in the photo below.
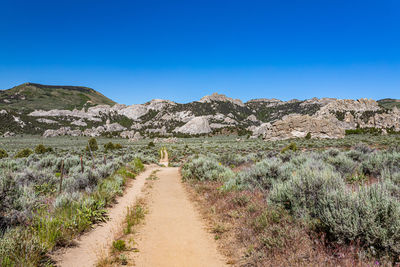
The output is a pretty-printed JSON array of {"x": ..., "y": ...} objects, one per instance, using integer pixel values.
[
  {"x": 97, "y": 241},
  {"x": 174, "y": 233}
]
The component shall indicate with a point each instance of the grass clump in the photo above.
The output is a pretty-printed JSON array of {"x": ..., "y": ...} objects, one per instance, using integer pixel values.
[
  {"x": 134, "y": 216},
  {"x": 119, "y": 245}
]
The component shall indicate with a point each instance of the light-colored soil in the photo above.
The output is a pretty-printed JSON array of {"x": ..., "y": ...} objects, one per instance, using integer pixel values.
[
  {"x": 174, "y": 234},
  {"x": 97, "y": 241}
]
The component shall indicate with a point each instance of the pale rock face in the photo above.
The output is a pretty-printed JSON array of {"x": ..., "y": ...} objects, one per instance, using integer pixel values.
[
  {"x": 19, "y": 121},
  {"x": 64, "y": 113},
  {"x": 218, "y": 125},
  {"x": 161, "y": 130},
  {"x": 343, "y": 105},
  {"x": 127, "y": 134},
  {"x": 79, "y": 123},
  {"x": 294, "y": 126},
  {"x": 113, "y": 127},
  {"x": 230, "y": 121},
  {"x": 220, "y": 97},
  {"x": 136, "y": 137},
  {"x": 252, "y": 118},
  {"x": 197, "y": 125},
  {"x": 183, "y": 116},
  {"x": 48, "y": 121},
  {"x": 3, "y": 111},
  {"x": 61, "y": 132},
  {"x": 170, "y": 140},
  {"x": 8, "y": 134}
]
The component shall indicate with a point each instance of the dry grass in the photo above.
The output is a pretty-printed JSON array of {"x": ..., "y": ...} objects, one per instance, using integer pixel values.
[{"x": 250, "y": 233}]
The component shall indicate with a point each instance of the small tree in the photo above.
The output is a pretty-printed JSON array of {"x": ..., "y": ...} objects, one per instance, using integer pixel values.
[
  {"x": 308, "y": 136},
  {"x": 92, "y": 145}
]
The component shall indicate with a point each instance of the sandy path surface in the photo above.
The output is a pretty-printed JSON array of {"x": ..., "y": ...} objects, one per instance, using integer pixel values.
[
  {"x": 98, "y": 240},
  {"x": 174, "y": 233}
]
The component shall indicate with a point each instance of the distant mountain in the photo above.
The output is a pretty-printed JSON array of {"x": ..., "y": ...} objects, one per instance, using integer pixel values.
[
  {"x": 389, "y": 103},
  {"x": 58, "y": 110},
  {"x": 33, "y": 96}
]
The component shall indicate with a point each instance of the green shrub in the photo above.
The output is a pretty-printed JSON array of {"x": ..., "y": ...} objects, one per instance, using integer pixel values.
[
  {"x": 203, "y": 168},
  {"x": 263, "y": 174},
  {"x": 119, "y": 245},
  {"x": 26, "y": 152},
  {"x": 290, "y": 147},
  {"x": 109, "y": 146},
  {"x": 138, "y": 165},
  {"x": 308, "y": 136},
  {"x": 151, "y": 144},
  {"x": 40, "y": 149},
  {"x": 118, "y": 146},
  {"x": 371, "y": 216},
  {"x": 3, "y": 154},
  {"x": 92, "y": 145}
]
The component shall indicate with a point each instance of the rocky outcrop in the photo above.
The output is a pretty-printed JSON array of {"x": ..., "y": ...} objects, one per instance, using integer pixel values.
[
  {"x": 298, "y": 126},
  {"x": 61, "y": 132},
  {"x": 127, "y": 134},
  {"x": 48, "y": 121},
  {"x": 79, "y": 123},
  {"x": 197, "y": 125},
  {"x": 136, "y": 137},
  {"x": 8, "y": 134},
  {"x": 221, "y": 98}
]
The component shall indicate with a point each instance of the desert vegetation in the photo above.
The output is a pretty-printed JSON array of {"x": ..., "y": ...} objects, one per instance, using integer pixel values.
[
  {"x": 342, "y": 205},
  {"x": 298, "y": 202},
  {"x": 50, "y": 194}
]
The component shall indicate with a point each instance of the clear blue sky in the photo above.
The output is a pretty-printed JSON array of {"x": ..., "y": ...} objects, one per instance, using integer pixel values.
[{"x": 133, "y": 51}]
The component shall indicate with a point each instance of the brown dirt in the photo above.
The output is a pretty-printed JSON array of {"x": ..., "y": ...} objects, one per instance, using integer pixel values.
[
  {"x": 97, "y": 241},
  {"x": 174, "y": 233}
]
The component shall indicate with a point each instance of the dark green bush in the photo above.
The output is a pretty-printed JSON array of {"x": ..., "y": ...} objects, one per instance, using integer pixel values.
[
  {"x": 111, "y": 146},
  {"x": 290, "y": 147},
  {"x": 308, "y": 136},
  {"x": 151, "y": 144},
  {"x": 3, "y": 154},
  {"x": 41, "y": 149},
  {"x": 26, "y": 152},
  {"x": 92, "y": 145}
]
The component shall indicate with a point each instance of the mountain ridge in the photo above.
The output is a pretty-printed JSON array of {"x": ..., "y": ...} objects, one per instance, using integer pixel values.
[{"x": 212, "y": 114}]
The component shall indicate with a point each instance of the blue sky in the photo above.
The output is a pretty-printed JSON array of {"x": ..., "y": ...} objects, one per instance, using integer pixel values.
[{"x": 134, "y": 51}]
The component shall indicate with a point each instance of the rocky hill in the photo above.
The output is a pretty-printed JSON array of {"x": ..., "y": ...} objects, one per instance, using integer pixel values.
[{"x": 270, "y": 119}]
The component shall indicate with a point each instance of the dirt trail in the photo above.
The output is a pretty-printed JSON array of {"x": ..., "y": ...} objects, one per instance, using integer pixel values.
[
  {"x": 174, "y": 234},
  {"x": 98, "y": 240}
]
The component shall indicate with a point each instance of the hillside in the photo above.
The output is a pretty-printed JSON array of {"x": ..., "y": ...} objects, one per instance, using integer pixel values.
[
  {"x": 33, "y": 96},
  {"x": 389, "y": 103},
  {"x": 57, "y": 111}
]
